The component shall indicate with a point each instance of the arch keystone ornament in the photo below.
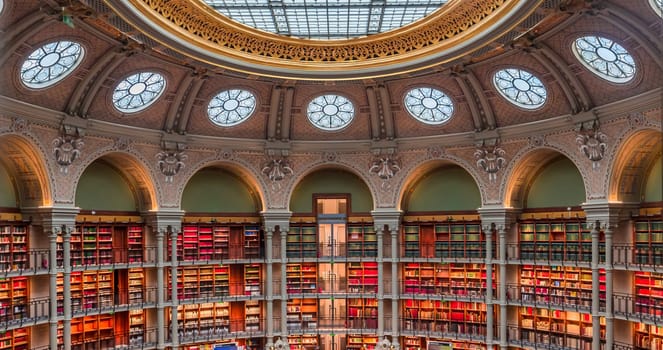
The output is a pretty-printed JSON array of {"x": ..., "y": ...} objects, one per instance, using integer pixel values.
[
  {"x": 592, "y": 143},
  {"x": 385, "y": 167}
]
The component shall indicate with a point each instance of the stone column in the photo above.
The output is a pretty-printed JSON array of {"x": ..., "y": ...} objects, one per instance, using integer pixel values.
[
  {"x": 53, "y": 290},
  {"x": 380, "y": 262},
  {"x": 274, "y": 219},
  {"x": 488, "y": 231},
  {"x": 269, "y": 283},
  {"x": 66, "y": 286},
  {"x": 173, "y": 285},
  {"x": 609, "y": 316},
  {"x": 161, "y": 323},
  {"x": 502, "y": 289},
  {"x": 395, "y": 292},
  {"x": 596, "y": 324}
]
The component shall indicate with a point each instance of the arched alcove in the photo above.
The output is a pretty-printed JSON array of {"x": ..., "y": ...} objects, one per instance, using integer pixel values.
[
  {"x": 445, "y": 188},
  {"x": 219, "y": 190},
  {"x": 558, "y": 183},
  {"x": 102, "y": 187},
  {"x": 8, "y": 198},
  {"x": 332, "y": 182},
  {"x": 25, "y": 167}
]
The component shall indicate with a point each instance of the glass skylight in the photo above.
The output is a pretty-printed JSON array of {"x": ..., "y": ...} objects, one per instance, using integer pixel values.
[
  {"x": 138, "y": 91},
  {"x": 324, "y": 20},
  {"x": 657, "y": 6},
  {"x": 231, "y": 107},
  {"x": 330, "y": 112},
  {"x": 605, "y": 58},
  {"x": 51, "y": 63},
  {"x": 428, "y": 105},
  {"x": 520, "y": 88}
]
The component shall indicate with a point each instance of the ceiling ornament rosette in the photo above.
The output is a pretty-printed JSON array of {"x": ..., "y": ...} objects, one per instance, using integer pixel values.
[{"x": 194, "y": 29}]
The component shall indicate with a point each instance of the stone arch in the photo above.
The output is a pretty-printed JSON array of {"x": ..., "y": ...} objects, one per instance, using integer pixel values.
[
  {"x": 631, "y": 165},
  {"x": 26, "y": 165},
  {"x": 525, "y": 167}
]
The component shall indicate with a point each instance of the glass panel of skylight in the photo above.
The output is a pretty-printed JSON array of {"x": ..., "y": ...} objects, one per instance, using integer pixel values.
[
  {"x": 605, "y": 58},
  {"x": 337, "y": 19}
]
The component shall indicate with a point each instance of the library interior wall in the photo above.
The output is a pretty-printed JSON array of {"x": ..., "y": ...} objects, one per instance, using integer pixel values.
[
  {"x": 558, "y": 184},
  {"x": 331, "y": 181},
  {"x": 448, "y": 188},
  {"x": 101, "y": 187},
  {"x": 8, "y": 197},
  {"x": 217, "y": 190},
  {"x": 653, "y": 191}
]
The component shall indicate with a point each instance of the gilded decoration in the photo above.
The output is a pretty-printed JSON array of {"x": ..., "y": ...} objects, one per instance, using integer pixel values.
[{"x": 472, "y": 23}]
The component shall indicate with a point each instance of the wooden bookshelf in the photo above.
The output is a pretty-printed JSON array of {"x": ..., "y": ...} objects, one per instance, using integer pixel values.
[
  {"x": 559, "y": 285},
  {"x": 362, "y": 241},
  {"x": 13, "y": 247},
  {"x": 91, "y": 332},
  {"x": 90, "y": 290},
  {"x": 252, "y": 279},
  {"x": 648, "y": 240},
  {"x": 411, "y": 247},
  {"x": 207, "y": 242},
  {"x": 459, "y": 280},
  {"x": 14, "y": 294},
  {"x": 303, "y": 342},
  {"x": 204, "y": 318},
  {"x": 556, "y": 327},
  {"x": 202, "y": 281},
  {"x": 136, "y": 285},
  {"x": 135, "y": 244},
  {"x": 136, "y": 327},
  {"x": 420, "y": 343},
  {"x": 17, "y": 339},
  {"x": 446, "y": 240},
  {"x": 302, "y": 241},
  {"x": 362, "y": 277},
  {"x": 647, "y": 336},
  {"x": 253, "y": 316},
  {"x": 302, "y": 314},
  {"x": 361, "y": 342},
  {"x": 252, "y": 242},
  {"x": 362, "y": 313},
  {"x": 559, "y": 240},
  {"x": 301, "y": 278},
  {"x": 649, "y": 293},
  {"x": 104, "y": 244},
  {"x": 444, "y": 316}
]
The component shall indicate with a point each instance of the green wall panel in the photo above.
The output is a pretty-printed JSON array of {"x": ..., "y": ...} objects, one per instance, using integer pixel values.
[
  {"x": 558, "y": 184},
  {"x": 448, "y": 188},
  {"x": 214, "y": 190},
  {"x": 7, "y": 191},
  {"x": 101, "y": 187},
  {"x": 654, "y": 184},
  {"x": 331, "y": 181}
]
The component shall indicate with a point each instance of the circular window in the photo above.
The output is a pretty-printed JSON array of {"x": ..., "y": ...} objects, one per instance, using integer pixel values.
[
  {"x": 231, "y": 107},
  {"x": 520, "y": 88},
  {"x": 138, "y": 91},
  {"x": 657, "y": 5},
  {"x": 51, "y": 63},
  {"x": 605, "y": 58},
  {"x": 428, "y": 105},
  {"x": 330, "y": 112}
]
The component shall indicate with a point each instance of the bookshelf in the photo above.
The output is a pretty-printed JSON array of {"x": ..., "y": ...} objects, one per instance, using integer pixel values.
[
  {"x": 135, "y": 244},
  {"x": 649, "y": 293},
  {"x": 361, "y": 342},
  {"x": 14, "y": 294},
  {"x": 204, "y": 318},
  {"x": 411, "y": 241},
  {"x": 459, "y": 280},
  {"x": 206, "y": 242},
  {"x": 13, "y": 247},
  {"x": 647, "y": 337},
  {"x": 362, "y": 313},
  {"x": 91, "y": 332},
  {"x": 303, "y": 342},
  {"x": 104, "y": 244},
  {"x": 17, "y": 339},
  {"x": 253, "y": 315},
  {"x": 648, "y": 239},
  {"x": 251, "y": 242},
  {"x": 136, "y": 326},
  {"x": 419, "y": 343},
  {"x": 252, "y": 279},
  {"x": 557, "y": 241},
  {"x": 302, "y": 314},
  {"x": 559, "y": 285},
  {"x": 302, "y": 241},
  {"x": 556, "y": 327},
  {"x": 446, "y": 240},
  {"x": 90, "y": 290},
  {"x": 301, "y": 278},
  {"x": 362, "y": 277},
  {"x": 421, "y": 315},
  {"x": 136, "y": 285},
  {"x": 362, "y": 241},
  {"x": 201, "y": 281}
]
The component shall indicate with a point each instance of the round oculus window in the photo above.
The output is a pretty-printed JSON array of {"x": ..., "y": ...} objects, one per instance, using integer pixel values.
[
  {"x": 138, "y": 91},
  {"x": 51, "y": 63},
  {"x": 231, "y": 107},
  {"x": 520, "y": 87},
  {"x": 330, "y": 112},
  {"x": 429, "y": 105},
  {"x": 605, "y": 58}
]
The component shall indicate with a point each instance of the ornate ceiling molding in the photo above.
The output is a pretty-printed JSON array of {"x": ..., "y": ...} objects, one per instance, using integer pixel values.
[{"x": 196, "y": 30}]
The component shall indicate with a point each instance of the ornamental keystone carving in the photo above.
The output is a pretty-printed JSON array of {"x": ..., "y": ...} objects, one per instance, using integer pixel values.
[
  {"x": 19, "y": 124},
  {"x": 329, "y": 156},
  {"x": 592, "y": 143},
  {"x": 277, "y": 169},
  {"x": 491, "y": 160},
  {"x": 385, "y": 167},
  {"x": 66, "y": 149},
  {"x": 170, "y": 163}
]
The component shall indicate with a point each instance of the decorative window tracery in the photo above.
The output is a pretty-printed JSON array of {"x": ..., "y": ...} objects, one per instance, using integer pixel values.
[
  {"x": 138, "y": 91},
  {"x": 330, "y": 112},
  {"x": 520, "y": 87},
  {"x": 51, "y": 63},
  {"x": 231, "y": 107},
  {"x": 605, "y": 58},
  {"x": 429, "y": 105}
]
